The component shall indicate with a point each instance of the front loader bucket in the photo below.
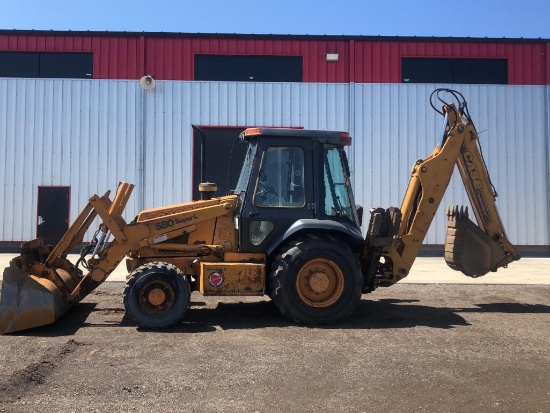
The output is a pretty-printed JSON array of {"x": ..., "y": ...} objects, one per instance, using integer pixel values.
[
  {"x": 468, "y": 248},
  {"x": 41, "y": 284},
  {"x": 34, "y": 294},
  {"x": 27, "y": 301}
]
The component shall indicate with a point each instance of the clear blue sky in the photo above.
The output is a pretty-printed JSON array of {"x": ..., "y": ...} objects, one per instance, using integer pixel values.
[{"x": 474, "y": 18}]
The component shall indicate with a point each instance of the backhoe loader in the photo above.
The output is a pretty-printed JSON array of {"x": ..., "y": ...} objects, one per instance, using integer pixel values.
[{"x": 290, "y": 229}]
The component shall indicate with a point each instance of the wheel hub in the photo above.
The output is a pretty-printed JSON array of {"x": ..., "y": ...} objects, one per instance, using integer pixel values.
[
  {"x": 320, "y": 283},
  {"x": 156, "y": 297}
]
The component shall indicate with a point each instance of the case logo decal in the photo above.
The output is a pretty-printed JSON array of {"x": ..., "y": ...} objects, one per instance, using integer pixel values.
[{"x": 216, "y": 279}]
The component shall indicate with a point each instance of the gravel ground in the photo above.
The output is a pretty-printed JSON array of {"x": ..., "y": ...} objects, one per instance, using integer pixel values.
[{"x": 408, "y": 348}]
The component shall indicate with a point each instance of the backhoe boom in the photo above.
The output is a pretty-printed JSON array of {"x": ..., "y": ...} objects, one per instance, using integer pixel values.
[{"x": 471, "y": 249}]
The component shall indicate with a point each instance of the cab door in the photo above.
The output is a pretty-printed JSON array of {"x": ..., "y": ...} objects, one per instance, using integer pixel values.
[{"x": 279, "y": 193}]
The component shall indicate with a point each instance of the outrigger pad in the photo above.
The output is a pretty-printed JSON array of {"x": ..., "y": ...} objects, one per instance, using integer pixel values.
[
  {"x": 25, "y": 302},
  {"x": 468, "y": 248}
]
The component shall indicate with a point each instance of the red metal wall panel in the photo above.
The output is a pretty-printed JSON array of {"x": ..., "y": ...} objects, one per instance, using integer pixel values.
[
  {"x": 361, "y": 59},
  {"x": 114, "y": 57},
  {"x": 172, "y": 58},
  {"x": 379, "y": 62}
]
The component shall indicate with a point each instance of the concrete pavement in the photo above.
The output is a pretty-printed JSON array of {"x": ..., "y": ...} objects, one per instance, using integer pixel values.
[
  {"x": 426, "y": 270},
  {"x": 434, "y": 270}
]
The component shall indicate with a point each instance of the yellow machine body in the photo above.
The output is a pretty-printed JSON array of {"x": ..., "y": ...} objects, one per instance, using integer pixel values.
[
  {"x": 231, "y": 278},
  {"x": 42, "y": 284}
]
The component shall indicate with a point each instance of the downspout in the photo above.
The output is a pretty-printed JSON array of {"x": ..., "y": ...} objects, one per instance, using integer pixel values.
[
  {"x": 141, "y": 147},
  {"x": 548, "y": 139},
  {"x": 351, "y": 108},
  {"x": 547, "y": 143},
  {"x": 141, "y": 153}
]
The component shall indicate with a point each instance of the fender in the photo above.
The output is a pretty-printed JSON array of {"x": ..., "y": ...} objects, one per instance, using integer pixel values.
[{"x": 349, "y": 232}]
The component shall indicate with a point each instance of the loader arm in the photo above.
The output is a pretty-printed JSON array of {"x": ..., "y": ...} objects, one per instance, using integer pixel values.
[
  {"x": 42, "y": 284},
  {"x": 394, "y": 236}
]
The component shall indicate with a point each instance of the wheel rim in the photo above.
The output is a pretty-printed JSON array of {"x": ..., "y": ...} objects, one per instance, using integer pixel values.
[
  {"x": 156, "y": 297},
  {"x": 320, "y": 283}
]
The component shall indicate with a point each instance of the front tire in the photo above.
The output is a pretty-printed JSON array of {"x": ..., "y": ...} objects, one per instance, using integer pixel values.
[
  {"x": 316, "y": 279},
  {"x": 157, "y": 295}
]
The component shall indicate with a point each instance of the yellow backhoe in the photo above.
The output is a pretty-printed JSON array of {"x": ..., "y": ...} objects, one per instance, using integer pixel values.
[{"x": 290, "y": 229}]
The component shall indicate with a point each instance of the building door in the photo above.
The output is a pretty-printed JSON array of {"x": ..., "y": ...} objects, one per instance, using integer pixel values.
[
  {"x": 224, "y": 159},
  {"x": 53, "y": 213}
]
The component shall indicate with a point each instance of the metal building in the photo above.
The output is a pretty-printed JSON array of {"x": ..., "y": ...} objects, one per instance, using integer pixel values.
[{"x": 65, "y": 136}]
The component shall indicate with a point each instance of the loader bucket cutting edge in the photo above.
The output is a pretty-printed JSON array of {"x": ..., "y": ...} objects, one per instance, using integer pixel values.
[{"x": 27, "y": 301}]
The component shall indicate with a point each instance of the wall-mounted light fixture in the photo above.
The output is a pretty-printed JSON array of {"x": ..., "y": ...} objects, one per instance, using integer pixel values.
[
  {"x": 147, "y": 82},
  {"x": 332, "y": 57}
]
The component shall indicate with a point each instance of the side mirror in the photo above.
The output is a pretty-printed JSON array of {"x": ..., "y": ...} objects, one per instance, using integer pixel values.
[{"x": 359, "y": 210}]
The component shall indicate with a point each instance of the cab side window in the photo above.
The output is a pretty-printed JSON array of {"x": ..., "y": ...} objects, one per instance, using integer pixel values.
[
  {"x": 281, "y": 179},
  {"x": 338, "y": 197}
]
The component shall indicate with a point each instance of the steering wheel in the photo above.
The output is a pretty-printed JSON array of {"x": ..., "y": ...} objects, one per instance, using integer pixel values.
[{"x": 265, "y": 190}]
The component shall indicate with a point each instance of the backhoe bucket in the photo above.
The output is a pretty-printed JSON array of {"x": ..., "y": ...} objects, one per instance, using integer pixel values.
[
  {"x": 468, "y": 248},
  {"x": 31, "y": 301}
]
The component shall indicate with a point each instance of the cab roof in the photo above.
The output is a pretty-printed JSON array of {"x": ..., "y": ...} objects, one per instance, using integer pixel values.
[{"x": 323, "y": 136}]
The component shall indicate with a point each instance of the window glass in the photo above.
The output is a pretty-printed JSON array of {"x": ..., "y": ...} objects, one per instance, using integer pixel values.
[
  {"x": 19, "y": 64},
  {"x": 259, "y": 230},
  {"x": 66, "y": 65},
  {"x": 246, "y": 168},
  {"x": 281, "y": 179},
  {"x": 454, "y": 70},
  {"x": 243, "y": 68},
  {"x": 46, "y": 65},
  {"x": 338, "y": 198}
]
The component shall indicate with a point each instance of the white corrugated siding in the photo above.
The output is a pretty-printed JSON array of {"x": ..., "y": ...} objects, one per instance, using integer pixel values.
[
  {"x": 173, "y": 106},
  {"x": 87, "y": 134},
  {"x": 395, "y": 126},
  {"x": 77, "y": 133}
]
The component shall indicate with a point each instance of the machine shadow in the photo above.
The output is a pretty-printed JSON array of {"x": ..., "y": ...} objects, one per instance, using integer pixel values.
[
  {"x": 379, "y": 314},
  {"x": 507, "y": 308},
  {"x": 66, "y": 325},
  {"x": 367, "y": 315}
]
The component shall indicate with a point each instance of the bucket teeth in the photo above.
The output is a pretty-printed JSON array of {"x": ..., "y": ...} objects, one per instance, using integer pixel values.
[{"x": 457, "y": 212}]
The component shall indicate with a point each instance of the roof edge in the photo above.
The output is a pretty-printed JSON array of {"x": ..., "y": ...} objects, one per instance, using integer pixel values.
[{"x": 89, "y": 33}]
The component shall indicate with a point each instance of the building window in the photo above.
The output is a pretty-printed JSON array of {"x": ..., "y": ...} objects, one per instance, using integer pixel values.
[
  {"x": 446, "y": 70},
  {"x": 46, "y": 65},
  {"x": 248, "y": 68}
]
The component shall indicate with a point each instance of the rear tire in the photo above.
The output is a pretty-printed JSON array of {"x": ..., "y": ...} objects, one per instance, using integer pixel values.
[
  {"x": 157, "y": 295},
  {"x": 316, "y": 280}
]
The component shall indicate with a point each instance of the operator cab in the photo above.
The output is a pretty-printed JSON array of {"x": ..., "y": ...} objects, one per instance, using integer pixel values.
[{"x": 293, "y": 180}]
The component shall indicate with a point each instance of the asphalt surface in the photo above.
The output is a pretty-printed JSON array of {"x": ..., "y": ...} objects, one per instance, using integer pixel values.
[
  {"x": 413, "y": 347},
  {"x": 426, "y": 270}
]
